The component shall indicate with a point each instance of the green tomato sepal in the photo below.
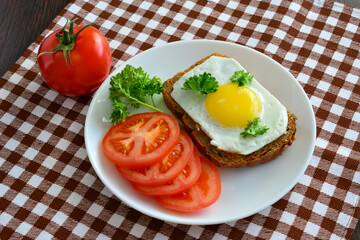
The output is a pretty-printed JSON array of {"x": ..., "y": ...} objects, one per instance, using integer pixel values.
[{"x": 66, "y": 39}]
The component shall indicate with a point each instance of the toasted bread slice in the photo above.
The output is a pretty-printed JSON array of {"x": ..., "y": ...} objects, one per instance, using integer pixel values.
[{"x": 219, "y": 156}]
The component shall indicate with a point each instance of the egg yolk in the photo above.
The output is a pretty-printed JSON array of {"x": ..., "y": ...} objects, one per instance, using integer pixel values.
[{"x": 233, "y": 106}]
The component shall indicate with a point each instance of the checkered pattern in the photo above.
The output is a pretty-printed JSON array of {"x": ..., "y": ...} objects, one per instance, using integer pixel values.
[{"x": 48, "y": 187}]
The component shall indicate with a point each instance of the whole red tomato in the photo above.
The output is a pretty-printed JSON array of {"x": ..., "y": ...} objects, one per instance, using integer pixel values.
[{"x": 75, "y": 64}]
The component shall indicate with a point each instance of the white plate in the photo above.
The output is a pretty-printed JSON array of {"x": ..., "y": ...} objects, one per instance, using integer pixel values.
[{"x": 245, "y": 191}]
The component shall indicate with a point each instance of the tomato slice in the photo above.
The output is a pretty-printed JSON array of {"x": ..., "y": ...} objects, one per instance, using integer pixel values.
[
  {"x": 164, "y": 170},
  {"x": 203, "y": 193},
  {"x": 187, "y": 177},
  {"x": 141, "y": 140}
]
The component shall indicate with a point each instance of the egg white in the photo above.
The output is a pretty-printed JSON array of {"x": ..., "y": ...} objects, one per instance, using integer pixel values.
[{"x": 273, "y": 114}]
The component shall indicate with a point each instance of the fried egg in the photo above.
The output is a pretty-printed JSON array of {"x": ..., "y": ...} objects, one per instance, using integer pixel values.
[{"x": 224, "y": 114}]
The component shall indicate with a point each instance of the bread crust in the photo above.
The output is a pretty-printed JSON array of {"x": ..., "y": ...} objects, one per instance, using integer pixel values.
[{"x": 218, "y": 156}]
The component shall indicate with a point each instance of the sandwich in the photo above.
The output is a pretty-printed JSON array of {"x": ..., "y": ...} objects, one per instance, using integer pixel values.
[{"x": 230, "y": 116}]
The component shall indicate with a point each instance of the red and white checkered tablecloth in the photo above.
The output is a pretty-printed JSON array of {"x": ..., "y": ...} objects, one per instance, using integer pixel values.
[{"x": 48, "y": 188}]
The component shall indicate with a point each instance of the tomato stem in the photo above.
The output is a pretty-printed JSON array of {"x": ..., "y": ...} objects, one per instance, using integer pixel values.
[{"x": 66, "y": 39}]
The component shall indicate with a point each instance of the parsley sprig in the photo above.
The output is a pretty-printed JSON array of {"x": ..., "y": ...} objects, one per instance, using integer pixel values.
[
  {"x": 132, "y": 86},
  {"x": 241, "y": 77},
  {"x": 254, "y": 128},
  {"x": 204, "y": 83}
]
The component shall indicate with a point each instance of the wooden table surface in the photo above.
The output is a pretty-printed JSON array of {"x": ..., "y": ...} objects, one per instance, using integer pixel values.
[{"x": 22, "y": 21}]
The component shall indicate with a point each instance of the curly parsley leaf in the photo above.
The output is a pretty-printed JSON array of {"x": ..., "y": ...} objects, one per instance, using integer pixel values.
[
  {"x": 254, "y": 128},
  {"x": 132, "y": 86},
  {"x": 119, "y": 111},
  {"x": 241, "y": 77},
  {"x": 204, "y": 83}
]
